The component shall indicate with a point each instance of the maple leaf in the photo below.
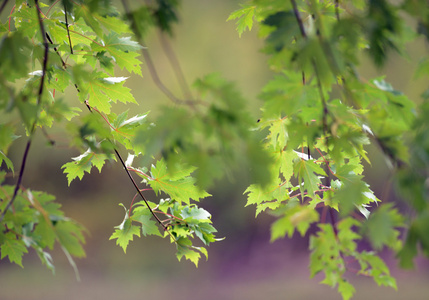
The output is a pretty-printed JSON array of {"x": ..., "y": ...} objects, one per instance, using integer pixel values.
[
  {"x": 144, "y": 216},
  {"x": 101, "y": 90},
  {"x": 83, "y": 163},
  {"x": 13, "y": 248},
  {"x": 124, "y": 233},
  {"x": 123, "y": 129},
  {"x": 245, "y": 18},
  {"x": 180, "y": 185},
  {"x": 184, "y": 248},
  {"x": 306, "y": 171},
  {"x": 122, "y": 49}
]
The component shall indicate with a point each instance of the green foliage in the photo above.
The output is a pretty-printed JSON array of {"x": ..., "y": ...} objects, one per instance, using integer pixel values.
[{"x": 318, "y": 117}]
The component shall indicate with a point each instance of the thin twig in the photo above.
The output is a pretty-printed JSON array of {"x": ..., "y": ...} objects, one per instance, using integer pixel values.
[
  {"x": 150, "y": 65},
  {"x": 175, "y": 66},
  {"x": 3, "y": 5},
  {"x": 18, "y": 183},
  {"x": 138, "y": 190},
  {"x": 56, "y": 50},
  {"x": 324, "y": 105},
  {"x": 319, "y": 83},
  {"x": 67, "y": 27},
  {"x": 337, "y": 11},
  {"x": 45, "y": 57},
  {"x": 33, "y": 128}
]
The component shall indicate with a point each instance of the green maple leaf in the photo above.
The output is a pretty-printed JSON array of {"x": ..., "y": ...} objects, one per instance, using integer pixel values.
[
  {"x": 299, "y": 217},
  {"x": 70, "y": 236},
  {"x": 123, "y": 129},
  {"x": 278, "y": 133},
  {"x": 113, "y": 24},
  {"x": 307, "y": 171},
  {"x": 346, "y": 289},
  {"x": 179, "y": 185},
  {"x": 204, "y": 231},
  {"x": 381, "y": 227},
  {"x": 144, "y": 216},
  {"x": 46, "y": 232},
  {"x": 184, "y": 248},
  {"x": 124, "y": 233},
  {"x": 101, "y": 90},
  {"x": 245, "y": 18},
  {"x": 122, "y": 49},
  {"x": 12, "y": 248},
  {"x": 82, "y": 164},
  {"x": 267, "y": 197},
  {"x": 195, "y": 213},
  {"x": 83, "y": 11}
]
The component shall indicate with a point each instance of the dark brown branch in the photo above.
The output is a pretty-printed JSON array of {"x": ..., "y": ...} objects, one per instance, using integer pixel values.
[
  {"x": 45, "y": 57},
  {"x": 337, "y": 11},
  {"x": 3, "y": 5},
  {"x": 298, "y": 19},
  {"x": 18, "y": 183},
  {"x": 138, "y": 190},
  {"x": 67, "y": 27},
  {"x": 325, "y": 107},
  {"x": 33, "y": 128},
  {"x": 319, "y": 83},
  {"x": 56, "y": 50}
]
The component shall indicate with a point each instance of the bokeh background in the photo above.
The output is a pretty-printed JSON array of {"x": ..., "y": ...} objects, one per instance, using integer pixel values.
[{"x": 243, "y": 266}]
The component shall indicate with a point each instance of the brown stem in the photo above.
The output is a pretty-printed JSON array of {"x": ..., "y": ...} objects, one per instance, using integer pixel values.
[
  {"x": 67, "y": 27},
  {"x": 175, "y": 66},
  {"x": 138, "y": 190},
  {"x": 33, "y": 128},
  {"x": 3, "y": 5}
]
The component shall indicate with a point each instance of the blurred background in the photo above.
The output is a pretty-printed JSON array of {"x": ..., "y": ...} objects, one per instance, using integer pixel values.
[{"x": 243, "y": 266}]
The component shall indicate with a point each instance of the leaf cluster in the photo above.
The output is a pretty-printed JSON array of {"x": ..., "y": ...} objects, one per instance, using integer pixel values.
[{"x": 320, "y": 116}]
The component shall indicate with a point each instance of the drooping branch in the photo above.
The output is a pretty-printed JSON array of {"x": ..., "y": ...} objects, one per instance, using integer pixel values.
[
  {"x": 18, "y": 182},
  {"x": 138, "y": 190},
  {"x": 151, "y": 66},
  {"x": 67, "y": 27},
  {"x": 33, "y": 127},
  {"x": 45, "y": 56},
  {"x": 3, "y": 5},
  {"x": 175, "y": 66},
  {"x": 324, "y": 105}
]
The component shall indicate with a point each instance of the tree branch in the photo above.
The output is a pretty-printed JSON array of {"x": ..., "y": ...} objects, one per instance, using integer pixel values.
[
  {"x": 3, "y": 5},
  {"x": 138, "y": 190},
  {"x": 150, "y": 65},
  {"x": 175, "y": 66},
  {"x": 67, "y": 27},
  {"x": 33, "y": 128}
]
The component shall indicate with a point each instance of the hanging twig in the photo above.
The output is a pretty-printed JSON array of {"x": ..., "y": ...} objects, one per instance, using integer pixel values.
[
  {"x": 67, "y": 27},
  {"x": 138, "y": 190},
  {"x": 175, "y": 66},
  {"x": 323, "y": 100},
  {"x": 33, "y": 127},
  {"x": 150, "y": 65},
  {"x": 3, "y": 5},
  {"x": 337, "y": 11}
]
